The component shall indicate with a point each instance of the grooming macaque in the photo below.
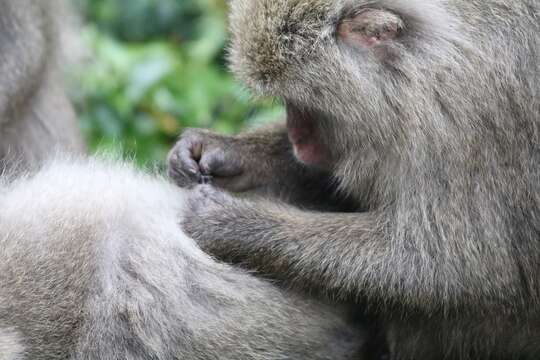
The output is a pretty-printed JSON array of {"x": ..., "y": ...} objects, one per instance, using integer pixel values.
[
  {"x": 36, "y": 119},
  {"x": 424, "y": 114},
  {"x": 93, "y": 262},
  {"x": 94, "y": 266}
]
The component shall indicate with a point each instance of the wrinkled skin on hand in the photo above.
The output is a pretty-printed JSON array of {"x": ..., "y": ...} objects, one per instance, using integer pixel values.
[
  {"x": 200, "y": 157},
  {"x": 204, "y": 206},
  {"x": 223, "y": 224}
]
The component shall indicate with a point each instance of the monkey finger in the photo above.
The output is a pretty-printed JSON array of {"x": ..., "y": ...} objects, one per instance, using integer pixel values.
[
  {"x": 220, "y": 164},
  {"x": 186, "y": 155},
  {"x": 183, "y": 169},
  {"x": 203, "y": 199},
  {"x": 182, "y": 178},
  {"x": 205, "y": 180}
]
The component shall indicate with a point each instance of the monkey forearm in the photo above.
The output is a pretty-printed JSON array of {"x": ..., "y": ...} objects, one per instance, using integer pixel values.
[
  {"x": 271, "y": 157},
  {"x": 350, "y": 255},
  {"x": 268, "y": 153},
  {"x": 315, "y": 250},
  {"x": 259, "y": 161}
]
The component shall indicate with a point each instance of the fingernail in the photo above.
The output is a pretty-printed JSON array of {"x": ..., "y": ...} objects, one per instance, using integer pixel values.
[{"x": 205, "y": 179}]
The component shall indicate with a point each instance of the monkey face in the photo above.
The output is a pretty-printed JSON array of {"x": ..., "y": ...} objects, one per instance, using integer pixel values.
[{"x": 369, "y": 67}]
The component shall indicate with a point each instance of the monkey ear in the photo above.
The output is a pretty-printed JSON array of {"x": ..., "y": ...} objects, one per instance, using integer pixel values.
[{"x": 370, "y": 27}]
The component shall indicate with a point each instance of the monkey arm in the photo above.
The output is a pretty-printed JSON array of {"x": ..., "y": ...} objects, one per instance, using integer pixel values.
[
  {"x": 309, "y": 248},
  {"x": 351, "y": 254},
  {"x": 260, "y": 161},
  {"x": 283, "y": 176}
]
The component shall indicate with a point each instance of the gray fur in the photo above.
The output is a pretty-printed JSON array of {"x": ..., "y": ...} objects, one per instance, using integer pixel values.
[
  {"x": 435, "y": 135},
  {"x": 93, "y": 262},
  {"x": 11, "y": 347},
  {"x": 94, "y": 265},
  {"x": 36, "y": 118}
]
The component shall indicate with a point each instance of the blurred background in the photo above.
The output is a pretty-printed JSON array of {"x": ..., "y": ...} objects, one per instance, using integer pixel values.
[{"x": 156, "y": 67}]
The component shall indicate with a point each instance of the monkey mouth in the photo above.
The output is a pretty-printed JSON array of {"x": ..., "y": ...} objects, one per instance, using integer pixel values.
[{"x": 304, "y": 133}]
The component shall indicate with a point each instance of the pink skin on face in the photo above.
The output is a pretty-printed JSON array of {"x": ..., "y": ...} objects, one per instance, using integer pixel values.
[{"x": 304, "y": 137}]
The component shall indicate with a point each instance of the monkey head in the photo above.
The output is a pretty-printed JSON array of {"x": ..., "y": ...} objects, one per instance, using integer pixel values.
[{"x": 360, "y": 75}]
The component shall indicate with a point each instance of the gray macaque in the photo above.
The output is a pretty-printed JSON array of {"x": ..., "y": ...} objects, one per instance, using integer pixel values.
[
  {"x": 95, "y": 266},
  {"x": 425, "y": 116},
  {"x": 93, "y": 262},
  {"x": 36, "y": 119}
]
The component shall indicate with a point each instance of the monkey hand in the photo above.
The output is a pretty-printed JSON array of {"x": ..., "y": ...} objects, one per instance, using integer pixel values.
[
  {"x": 202, "y": 157},
  {"x": 207, "y": 212}
]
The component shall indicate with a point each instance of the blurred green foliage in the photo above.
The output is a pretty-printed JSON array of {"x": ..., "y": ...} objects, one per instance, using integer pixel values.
[{"x": 155, "y": 68}]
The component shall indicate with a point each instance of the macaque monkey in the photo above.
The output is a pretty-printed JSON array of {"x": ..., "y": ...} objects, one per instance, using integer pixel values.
[
  {"x": 425, "y": 115},
  {"x": 95, "y": 266}
]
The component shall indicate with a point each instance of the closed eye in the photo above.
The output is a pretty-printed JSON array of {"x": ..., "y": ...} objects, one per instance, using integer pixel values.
[{"x": 370, "y": 27}]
